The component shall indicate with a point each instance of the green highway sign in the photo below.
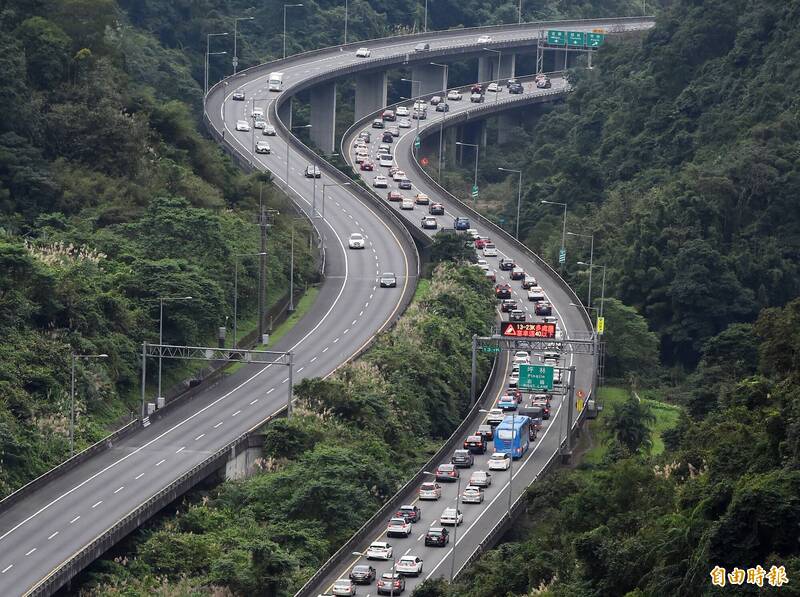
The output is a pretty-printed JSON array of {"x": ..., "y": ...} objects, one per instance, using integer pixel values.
[
  {"x": 556, "y": 38},
  {"x": 594, "y": 40},
  {"x": 576, "y": 39},
  {"x": 535, "y": 377},
  {"x": 490, "y": 349},
  {"x": 562, "y": 256},
  {"x": 416, "y": 143},
  {"x": 474, "y": 191}
]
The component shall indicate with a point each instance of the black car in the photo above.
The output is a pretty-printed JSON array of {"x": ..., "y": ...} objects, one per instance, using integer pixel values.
[
  {"x": 387, "y": 137},
  {"x": 409, "y": 512},
  {"x": 517, "y": 316},
  {"x": 487, "y": 431},
  {"x": 437, "y": 537},
  {"x": 443, "y": 107},
  {"x": 436, "y": 209},
  {"x": 502, "y": 291},
  {"x": 508, "y": 305},
  {"x": 506, "y": 265},
  {"x": 363, "y": 574},
  {"x": 238, "y": 95},
  {"x": 544, "y": 308},
  {"x": 377, "y": 123},
  {"x": 475, "y": 444},
  {"x": 515, "y": 88},
  {"x": 462, "y": 459}
]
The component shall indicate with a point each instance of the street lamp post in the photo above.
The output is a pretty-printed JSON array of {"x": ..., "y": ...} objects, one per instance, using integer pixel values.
[
  {"x": 285, "y": 6},
  {"x": 497, "y": 79},
  {"x": 519, "y": 13},
  {"x": 602, "y": 284},
  {"x": 208, "y": 48},
  {"x": 235, "y": 31},
  {"x": 331, "y": 184},
  {"x": 236, "y": 290},
  {"x": 345, "y": 21},
  {"x": 75, "y": 357},
  {"x": 161, "y": 300},
  {"x": 563, "y": 231},
  {"x": 425, "y": 23},
  {"x": 475, "y": 181},
  {"x": 519, "y": 197},
  {"x": 291, "y": 271},
  {"x": 591, "y": 262},
  {"x": 419, "y": 92},
  {"x": 442, "y": 119}
]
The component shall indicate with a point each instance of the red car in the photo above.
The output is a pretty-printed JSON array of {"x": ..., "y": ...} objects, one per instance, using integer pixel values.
[
  {"x": 409, "y": 512},
  {"x": 481, "y": 241},
  {"x": 502, "y": 291},
  {"x": 394, "y": 196},
  {"x": 476, "y": 88},
  {"x": 365, "y": 165},
  {"x": 436, "y": 209}
]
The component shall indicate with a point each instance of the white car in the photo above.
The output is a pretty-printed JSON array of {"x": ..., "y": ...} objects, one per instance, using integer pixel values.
[
  {"x": 269, "y": 130},
  {"x": 484, "y": 39},
  {"x": 402, "y": 111},
  {"x": 242, "y": 125},
  {"x": 448, "y": 517},
  {"x": 344, "y": 586},
  {"x": 489, "y": 250},
  {"x": 398, "y": 527},
  {"x": 404, "y": 123},
  {"x": 454, "y": 95},
  {"x": 361, "y": 156},
  {"x": 481, "y": 263},
  {"x": 363, "y": 53},
  {"x": 495, "y": 416},
  {"x": 522, "y": 357},
  {"x": 536, "y": 294},
  {"x": 406, "y": 204},
  {"x": 493, "y": 88},
  {"x": 472, "y": 233},
  {"x": 513, "y": 380},
  {"x": 398, "y": 175},
  {"x": 356, "y": 241},
  {"x": 410, "y": 565},
  {"x": 430, "y": 491},
  {"x": 380, "y": 181},
  {"x": 259, "y": 124},
  {"x": 386, "y": 160},
  {"x": 379, "y": 550},
  {"x": 421, "y": 104},
  {"x": 472, "y": 495},
  {"x": 384, "y": 148},
  {"x": 257, "y": 113},
  {"x": 263, "y": 147},
  {"x": 500, "y": 461}
]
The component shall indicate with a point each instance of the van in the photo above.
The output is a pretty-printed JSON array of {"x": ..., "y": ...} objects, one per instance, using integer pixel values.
[
  {"x": 276, "y": 81},
  {"x": 422, "y": 47}
]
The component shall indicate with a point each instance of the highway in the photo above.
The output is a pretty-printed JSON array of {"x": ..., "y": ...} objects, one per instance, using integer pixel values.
[
  {"x": 49, "y": 528},
  {"x": 478, "y": 518}
]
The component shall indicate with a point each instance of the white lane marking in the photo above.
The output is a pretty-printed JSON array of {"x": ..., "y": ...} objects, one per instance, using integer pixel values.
[
  {"x": 347, "y": 330},
  {"x": 370, "y": 297},
  {"x": 181, "y": 449},
  {"x": 420, "y": 537},
  {"x": 360, "y": 313},
  {"x": 285, "y": 380},
  {"x": 406, "y": 552},
  {"x": 139, "y": 476},
  {"x": 74, "y": 519},
  {"x": 53, "y": 535},
  {"x": 253, "y": 402},
  {"x": 30, "y": 552},
  {"x": 118, "y": 489},
  {"x": 160, "y": 462},
  {"x": 313, "y": 359},
  {"x": 335, "y": 341},
  {"x": 300, "y": 369},
  {"x": 270, "y": 391},
  {"x": 97, "y": 504},
  {"x": 236, "y": 413},
  {"x": 6, "y": 569},
  {"x": 325, "y": 349},
  {"x": 218, "y": 424},
  {"x": 354, "y": 322},
  {"x": 199, "y": 436}
]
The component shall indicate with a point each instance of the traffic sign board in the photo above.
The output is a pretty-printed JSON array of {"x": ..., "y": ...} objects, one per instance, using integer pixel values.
[
  {"x": 593, "y": 40},
  {"x": 417, "y": 143},
  {"x": 535, "y": 377},
  {"x": 576, "y": 39},
  {"x": 474, "y": 191},
  {"x": 601, "y": 325},
  {"x": 562, "y": 256},
  {"x": 490, "y": 349},
  {"x": 528, "y": 330},
  {"x": 556, "y": 38},
  {"x": 235, "y": 61}
]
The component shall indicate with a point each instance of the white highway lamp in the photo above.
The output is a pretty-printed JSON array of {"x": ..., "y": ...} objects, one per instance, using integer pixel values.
[
  {"x": 235, "y": 26},
  {"x": 345, "y": 21},
  {"x": 285, "y": 6},
  {"x": 591, "y": 262},
  {"x": 75, "y": 357},
  {"x": 419, "y": 93},
  {"x": 497, "y": 79},
  {"x": 236, "y": 290},
  {"x": 475, "y": 181},
  {"x": 161, "y": 300},
  {"x": 602, "y": 284},
  {"x": 208, "y": 47},
  {"x": 563, "y": 233},
  {"x": 444, "y": 116},
  {"x": 519, "y": 197}
]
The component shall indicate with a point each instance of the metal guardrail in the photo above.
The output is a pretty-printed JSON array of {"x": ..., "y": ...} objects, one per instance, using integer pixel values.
[{"x": 345, "y": 551}]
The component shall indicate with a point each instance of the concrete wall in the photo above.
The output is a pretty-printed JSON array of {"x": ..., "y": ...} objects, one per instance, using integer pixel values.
[{"x": 323, "y": 116}]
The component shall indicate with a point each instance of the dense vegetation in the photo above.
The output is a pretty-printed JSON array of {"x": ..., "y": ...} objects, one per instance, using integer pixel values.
[
  {"x": 679, "y": 152},
  {"x": 726, "y": 491},
  {"x": 353, "y": 441},
  {"x": 109, "y": 198}
]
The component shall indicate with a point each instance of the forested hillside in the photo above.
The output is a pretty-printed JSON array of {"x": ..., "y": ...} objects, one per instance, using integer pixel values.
[
  {"x": 109, "y": 198},
  {"x": 679, "y": 151}
]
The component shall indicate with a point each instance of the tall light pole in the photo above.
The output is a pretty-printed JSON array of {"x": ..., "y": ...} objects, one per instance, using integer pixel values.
[
  {"x": 345, "y": 21},
  {"x": 519, "y": 12},
  {"x": 291, "y": 270},
  {"x": 497, "y": 79},
  {"x": 602, "y": 284},
  {"x": 331, "y": 184},
  {"x": 591, "y": 262},
  {"x": 161, "y": 301},
  {"x": 475, "y": 181},
  {"x": 289, "y": 149},
  {"x": 419, "y": 93},
  {"x": 236, "y": 290},
  {"x": 235, "y": 55},
  {"x": 519, "y": 196},
  {"x": 285, "y": 6},
  {"x": 442, "y": 119},
  {"x": 563, "y": 233},
  {"x": 75, "y": 357},
  {"x": 425, "y": 21},
  {"x": 208, "y": 47}
]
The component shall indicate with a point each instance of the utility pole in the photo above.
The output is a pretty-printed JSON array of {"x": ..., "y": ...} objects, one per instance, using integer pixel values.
[
  {"x": 262, "y": 273},
  {"x": 291, "y": 272},
  {"x": 474, "y": 377}
]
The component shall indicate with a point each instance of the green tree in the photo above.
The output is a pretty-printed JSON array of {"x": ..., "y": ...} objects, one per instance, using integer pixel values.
[
  {"x": 631, "y": 348},
  {"x": 46, "y": 51},
  {"x": 629, "y": 425},
  {"x": 451, "y": 246}
]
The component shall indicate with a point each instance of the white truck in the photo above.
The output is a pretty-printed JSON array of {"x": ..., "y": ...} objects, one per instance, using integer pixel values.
[{"x": 276, "y": 81}]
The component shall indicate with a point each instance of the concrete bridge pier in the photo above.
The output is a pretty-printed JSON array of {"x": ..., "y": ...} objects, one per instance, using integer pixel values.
[
  {"x": 488, "y": 67},
  {"x": 323, "y": 116},
  {"x": 244, "y": 460},
  {"x": 370, "y": 93},
  {"x": 431, "y": 79}
]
